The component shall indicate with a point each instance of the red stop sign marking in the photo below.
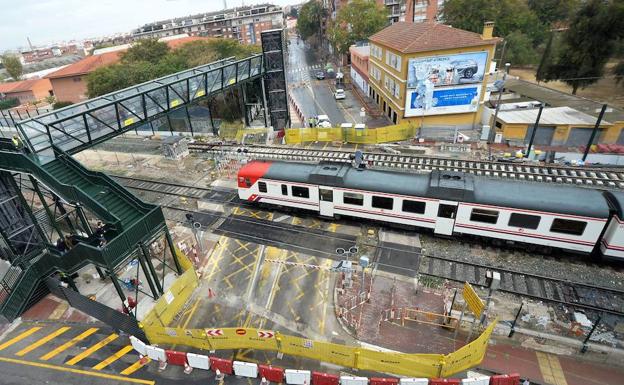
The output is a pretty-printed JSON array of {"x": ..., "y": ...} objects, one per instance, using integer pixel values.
[{"x": 241, "y": 332}]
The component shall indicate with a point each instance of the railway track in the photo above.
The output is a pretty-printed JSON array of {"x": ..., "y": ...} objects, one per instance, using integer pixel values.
[
  {"x": 574, "y": 294},
  {"x": 612, "y": 178}
]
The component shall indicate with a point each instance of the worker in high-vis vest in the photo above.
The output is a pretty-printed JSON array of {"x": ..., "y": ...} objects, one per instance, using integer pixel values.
[{"x": 17, "y": 142}]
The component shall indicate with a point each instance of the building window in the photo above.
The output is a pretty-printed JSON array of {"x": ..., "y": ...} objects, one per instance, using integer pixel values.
[
  {"x": 391, "y": 85},
  {"x": 415, "y": 207},
  {"x": 284, "y": 189},
  {"x": 524, "y": 221},
  {"x": 77, "y": 79},
  {"x": 382, "y": 202},
  {"x": 393, "y": 61},
  {"x": 375, "y": 51},
  {"x": 485, "y": 216},
  {"x": 566, "y": 226},
  {"x": 262, "y": 187},
  {"x": 353, "y": 199},
  {"x": 375, "y": 73},
  {"x": 300, "y": 192}
]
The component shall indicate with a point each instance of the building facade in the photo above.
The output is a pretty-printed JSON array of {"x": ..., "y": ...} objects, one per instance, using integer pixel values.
[
  {"x": 430, "y": 74},
  {"x": 359, "y": 67},
  {"x": 243, "y": 24},
  {"x": 26, "y": 90},
  {"x": 402, "y": 10}
]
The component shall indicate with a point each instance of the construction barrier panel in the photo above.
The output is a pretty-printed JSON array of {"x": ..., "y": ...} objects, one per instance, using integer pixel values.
[
  {"x": 223, "y": 365},
  {"x": 467, "y": 356},
  {"x": 173, "y": 300},
  {"x": 175, "y": 357},
  {"x": 198, "y": 361},
  {"x": 271, "y": 373},
  {"x": 445, "y": 381},
  {"x": 505, "y": 379},
  {"x": 138, "y": 345},
  {"x": 392, "y": 133},
  {"x": 476, "y": 381},
  {"x": 245, "y": 369},
  {"x": 383, "y": 381},
  {"x": 351, "y": 380},
  {"x": 319, "y": 378},
  {"x": 156, "y": 354},
  {"x": 297, "y": 377},
  {"x": 414, "y": 381}
]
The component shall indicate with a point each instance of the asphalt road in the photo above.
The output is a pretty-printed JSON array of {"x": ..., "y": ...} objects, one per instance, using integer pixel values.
[{"x": 314, "y": 97}]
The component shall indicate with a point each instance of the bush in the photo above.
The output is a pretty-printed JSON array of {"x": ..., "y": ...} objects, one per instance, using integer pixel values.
[
  {"x": 9, "y": 103},
  {"x": 61, "y": 104}
]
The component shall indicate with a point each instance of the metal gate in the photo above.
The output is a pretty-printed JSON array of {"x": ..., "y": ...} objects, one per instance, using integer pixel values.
[
  {"x": 543, "y": 136},
  {"x": 579, "y": 136},
  {"x": 109, "y": 316}
]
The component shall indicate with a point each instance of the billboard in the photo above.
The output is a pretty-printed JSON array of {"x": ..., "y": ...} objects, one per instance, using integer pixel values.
[{"x": 445, "y": 84}]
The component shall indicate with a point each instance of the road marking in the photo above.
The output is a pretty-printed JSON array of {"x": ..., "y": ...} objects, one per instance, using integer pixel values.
[
  {"x": 136, "y": 366},
  {"x": 68, "y": 344},
  {"x": 92, "y": 350},
  {"x": 60, "y": 309},
  {"x": 254, "y": 279},
  {"x": 77, "y": 371},
  {"x": 113, "y": 358},
  {"x": 551, "y": 370},
  {"x": 19, "y": 337},
  {"x": 42, "y": 341}
]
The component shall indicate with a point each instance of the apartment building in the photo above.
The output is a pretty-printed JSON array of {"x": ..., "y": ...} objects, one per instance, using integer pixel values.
[{"x": 402, "y": 10}]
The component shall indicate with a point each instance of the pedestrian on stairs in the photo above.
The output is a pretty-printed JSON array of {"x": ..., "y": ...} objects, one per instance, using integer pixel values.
[{"x": 17, "y": 142}]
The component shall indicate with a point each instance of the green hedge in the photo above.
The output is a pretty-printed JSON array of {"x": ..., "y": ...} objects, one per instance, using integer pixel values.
[{"x": 9, "y": 103}]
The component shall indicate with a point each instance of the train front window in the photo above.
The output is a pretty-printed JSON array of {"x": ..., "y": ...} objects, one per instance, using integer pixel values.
[
  {"x": 247, "y": 182},
  {"x": 566, "y": 226},
  {"x": 353, "y": 199},
  {"x": 262, "y": 187},
  {"x": 326, "y": 195},
  {"x": 300, "y": 192}
]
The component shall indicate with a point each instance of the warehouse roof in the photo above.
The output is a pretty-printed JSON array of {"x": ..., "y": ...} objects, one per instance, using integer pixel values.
[
  {"x": 550, "y": 116},
  {"x": 407, "y": 37}
]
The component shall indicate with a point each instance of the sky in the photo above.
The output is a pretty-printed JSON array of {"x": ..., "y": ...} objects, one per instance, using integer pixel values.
[{"x": 49, "y": 21}]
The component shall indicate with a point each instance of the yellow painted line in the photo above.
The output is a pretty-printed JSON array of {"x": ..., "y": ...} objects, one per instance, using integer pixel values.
[
  {"x": 68, "y": 344},
  {"x": 42, "y": 341},
  {"x": 19, "y": 337},
  {"x": 60, "y": 309},
  {"x": 77, "y": 371},
  {"x": 91, "y": 350},
  {"x": 113, "y": 358},
  {"x": 551, "y": 369},
  {"x": 136, "y": 366}
]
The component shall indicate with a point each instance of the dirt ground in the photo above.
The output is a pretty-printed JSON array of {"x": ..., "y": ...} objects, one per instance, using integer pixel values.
[{"x": 605, "y": 90}]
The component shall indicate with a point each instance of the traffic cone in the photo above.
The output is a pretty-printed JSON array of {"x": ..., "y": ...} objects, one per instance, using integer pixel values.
[{"x": 187, "y": 368}]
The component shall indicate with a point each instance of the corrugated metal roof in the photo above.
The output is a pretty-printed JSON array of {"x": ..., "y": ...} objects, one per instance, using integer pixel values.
[{"x": 550, "y": 116}]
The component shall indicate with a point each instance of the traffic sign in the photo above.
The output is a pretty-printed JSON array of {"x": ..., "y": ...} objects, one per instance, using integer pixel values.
[
  {"x": 241, "y": 332},
  {"x": 266, "y": 333},
  {"x": 214, "y": 332}
]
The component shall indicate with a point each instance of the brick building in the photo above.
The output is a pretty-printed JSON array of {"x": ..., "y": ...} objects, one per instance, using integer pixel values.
[
  {"x": 26, "y": 90},
  {"x": 430, "y": 73},
  {"x": 243, "y": 24}
]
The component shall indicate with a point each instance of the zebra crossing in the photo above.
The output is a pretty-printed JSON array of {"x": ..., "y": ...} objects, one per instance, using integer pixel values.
[{"x": 305, "y": 69}]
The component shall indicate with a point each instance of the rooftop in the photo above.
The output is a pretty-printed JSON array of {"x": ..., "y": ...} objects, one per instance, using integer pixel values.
[
  {"x": 21, "y": 86},
  {"x": 407, "y": 37},
  {"x": 550, "y": 116},
  {"x": 91, "y": 63},
  {"x": 362, "y": 51}
]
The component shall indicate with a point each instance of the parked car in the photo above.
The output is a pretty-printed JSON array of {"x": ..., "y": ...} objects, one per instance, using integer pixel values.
[
  {"x": 339, "y": 94},
  {"x": 323, "y": 121},
  {"x": 320, "y": 75},
  {"x": 465, "y": 68}
]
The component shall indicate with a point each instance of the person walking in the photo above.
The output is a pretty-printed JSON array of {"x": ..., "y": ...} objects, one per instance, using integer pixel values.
[{"x": 17, "y": 142}]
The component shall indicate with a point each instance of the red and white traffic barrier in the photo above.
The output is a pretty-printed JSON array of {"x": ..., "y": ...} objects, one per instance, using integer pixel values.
[{"x": 277, "y": 375}]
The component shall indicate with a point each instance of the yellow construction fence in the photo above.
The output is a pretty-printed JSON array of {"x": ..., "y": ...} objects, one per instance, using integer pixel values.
[{"x": 392, "y": 133}]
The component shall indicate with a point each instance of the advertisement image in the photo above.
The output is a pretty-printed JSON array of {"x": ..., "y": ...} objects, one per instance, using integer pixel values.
[
  {"x": 447, "y": 70},
  {"x": 435, "y": 101}
]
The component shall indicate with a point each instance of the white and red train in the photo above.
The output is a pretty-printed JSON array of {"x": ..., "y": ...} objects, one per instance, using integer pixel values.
[{"x": 538, "y": 215}]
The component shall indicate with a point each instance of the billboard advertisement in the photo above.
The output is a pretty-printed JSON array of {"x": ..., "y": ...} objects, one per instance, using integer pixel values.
[{"x": 445, "y": 84}]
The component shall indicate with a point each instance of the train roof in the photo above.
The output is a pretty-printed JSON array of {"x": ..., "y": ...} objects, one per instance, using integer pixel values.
[{"x": 448, "y": 185}]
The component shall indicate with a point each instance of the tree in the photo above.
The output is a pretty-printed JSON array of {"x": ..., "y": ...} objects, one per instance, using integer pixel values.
[
  {"x": 588, "y": 44},
  {"x": 356, "y": 21},
  {"x": 519, "y": 49},
  {"x": 149, "y": 50},
  {"x": 59, "y": 105},
  {"x": 13, "y": 66},
  {"x": 618, "y": 71},
  {"x": 310, "y": 18},
  {"x": 552, "y": 11}
]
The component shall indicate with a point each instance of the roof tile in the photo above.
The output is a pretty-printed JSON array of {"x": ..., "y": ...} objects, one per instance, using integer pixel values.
[{"x": 407, "y": 37}]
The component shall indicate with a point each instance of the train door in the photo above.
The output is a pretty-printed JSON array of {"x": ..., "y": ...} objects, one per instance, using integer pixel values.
[
  {"x": 326, "y": 201},
  {"x": 446, "y": 218}
]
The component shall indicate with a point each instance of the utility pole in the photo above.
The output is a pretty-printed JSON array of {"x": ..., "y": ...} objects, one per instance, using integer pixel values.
[
  {"x": 539, "y": 115},
  {"x": 593, "y": 134}
]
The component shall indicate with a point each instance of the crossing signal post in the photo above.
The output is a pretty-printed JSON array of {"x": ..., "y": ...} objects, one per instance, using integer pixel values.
[{"x": 196, "y": 229}]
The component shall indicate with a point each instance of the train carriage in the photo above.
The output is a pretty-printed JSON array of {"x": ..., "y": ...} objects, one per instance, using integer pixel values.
[
  {"x": 448, "y": 203},
  {"x": 612, "y": 242}
]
